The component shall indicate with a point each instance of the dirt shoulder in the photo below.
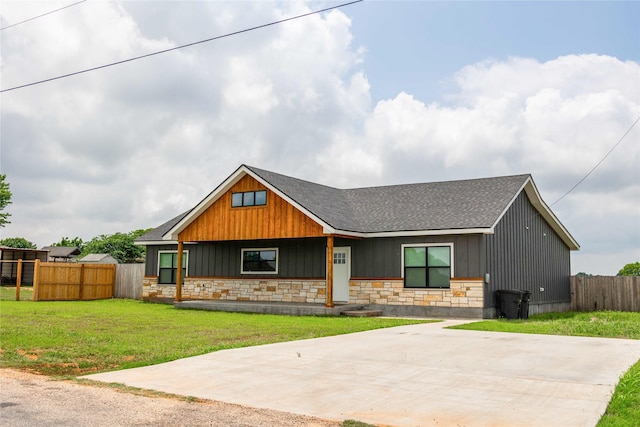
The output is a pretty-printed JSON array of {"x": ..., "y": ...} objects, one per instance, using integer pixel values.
[{"x": 27, "y": 400}]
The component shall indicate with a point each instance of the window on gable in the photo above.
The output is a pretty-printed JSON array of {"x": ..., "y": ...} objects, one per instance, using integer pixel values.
[
  {"x": 168, "y": 267},
  {"x": 259, "y": 261},
  {"x": 427, "y": 266},
  {"x": 249, "y": 198}
]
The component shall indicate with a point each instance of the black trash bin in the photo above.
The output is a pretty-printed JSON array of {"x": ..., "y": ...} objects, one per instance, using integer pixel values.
[
  {"x": 524, "y": 305},
  {"x": 509, "y": 301}
]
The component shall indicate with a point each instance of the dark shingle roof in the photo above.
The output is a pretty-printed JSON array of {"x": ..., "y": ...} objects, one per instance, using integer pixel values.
[
  {"x": 449, "y": 205},
  {"x": 157, "y": 233},
  {"x": 62, "y": 251}
]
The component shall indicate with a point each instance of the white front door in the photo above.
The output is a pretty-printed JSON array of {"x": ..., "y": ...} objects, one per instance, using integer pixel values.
[{"x": 341, "y": 273}]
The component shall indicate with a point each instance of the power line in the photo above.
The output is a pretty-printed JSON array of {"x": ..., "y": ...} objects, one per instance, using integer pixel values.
[
  {"x": 183, "y": 46},
  {"x": 40, "y": 16},
  {"x": 597, "y": 164}
]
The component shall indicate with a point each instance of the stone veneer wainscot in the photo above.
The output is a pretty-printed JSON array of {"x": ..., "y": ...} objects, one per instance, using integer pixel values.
[
  {"x": 463, "y": 293},
  {"x": 265, "y": 290}
]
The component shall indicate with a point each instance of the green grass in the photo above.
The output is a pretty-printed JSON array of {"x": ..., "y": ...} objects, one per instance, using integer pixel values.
[
  {"x": 624, "y": 407},
  {"x": 80, "y": 337},
  {"x": 9, "y": 293},
  {"x": 606, "y": 324},
  {"x": 354, "y": 423}
]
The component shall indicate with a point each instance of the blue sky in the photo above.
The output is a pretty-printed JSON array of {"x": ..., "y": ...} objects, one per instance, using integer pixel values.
[
  {"x": 375, "y": 93},
  {"x": 416, "y": 46}
]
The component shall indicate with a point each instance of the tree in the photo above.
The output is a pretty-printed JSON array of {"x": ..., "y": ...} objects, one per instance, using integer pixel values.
[
  {"x": 631, "y": 269},
  {"x": 17, "y": 242},
  {"x": 75, "y": 242},
  {"x": 121, "y": 246},
  {"x": 5, "y": 199}
]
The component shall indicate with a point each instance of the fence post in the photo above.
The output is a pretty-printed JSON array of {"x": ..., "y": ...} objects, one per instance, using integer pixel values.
[
  {"x": 36, "y": 270},
  {"x": 114, "y": 272},
  {"x": 81, "y": 281},
  {"x": 18, "y": 279}
]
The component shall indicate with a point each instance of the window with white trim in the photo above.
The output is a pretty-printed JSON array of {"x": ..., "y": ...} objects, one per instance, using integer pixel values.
[
  {"x": 259, "y": 261},
  {"x": 427, "y": 265},
  {"x": 168, "y": 266}
]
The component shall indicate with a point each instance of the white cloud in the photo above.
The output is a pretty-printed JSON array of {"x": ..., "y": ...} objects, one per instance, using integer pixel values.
[{"x": 133, "y": 145}]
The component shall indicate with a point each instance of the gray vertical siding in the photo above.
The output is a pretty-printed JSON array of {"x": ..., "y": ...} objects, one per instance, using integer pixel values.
[
  {"x": 306, "y": 258},
  {"x": 525, "y": 253},
  {"x": 382, "y": 257},
  {"x": 299, "y": 258}
]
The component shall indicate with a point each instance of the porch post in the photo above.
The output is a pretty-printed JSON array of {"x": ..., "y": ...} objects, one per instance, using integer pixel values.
[
  {"x": 329, "y": 302},
  {"x": 179, "y": 273}
]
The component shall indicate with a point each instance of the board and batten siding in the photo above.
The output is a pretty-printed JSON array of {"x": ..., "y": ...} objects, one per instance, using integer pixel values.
[
  {"x": 306, "y": 258},
  {"x": 298, "y": 258},
  {"x": 278, "y": 219},
  {"x": 525, "y": 253},
  {"x": 382, "y": 257}
]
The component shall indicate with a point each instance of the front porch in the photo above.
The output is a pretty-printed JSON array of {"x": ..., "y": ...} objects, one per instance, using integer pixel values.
[{"x": 263, "y": 307}]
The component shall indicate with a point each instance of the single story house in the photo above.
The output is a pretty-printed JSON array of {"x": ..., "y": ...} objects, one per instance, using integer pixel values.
[
  {"x": 98, "y": 259},
  {"x": 62, "y": 253},
  {"x": 430, "y": 249}
]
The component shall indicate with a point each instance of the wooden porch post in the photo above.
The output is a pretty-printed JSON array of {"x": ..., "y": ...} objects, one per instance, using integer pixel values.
[
  {"x": 329, "y": 302},
  {"x": 179, "y": 273}
]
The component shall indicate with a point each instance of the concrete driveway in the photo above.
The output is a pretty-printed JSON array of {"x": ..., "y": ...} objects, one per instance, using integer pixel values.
[{"x": 418, "y": 375}]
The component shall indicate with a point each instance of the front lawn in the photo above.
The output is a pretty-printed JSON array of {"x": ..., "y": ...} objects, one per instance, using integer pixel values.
[
  {"x": 9, "y": 293},
  {"x": 624, "y": 408},
  {"x": 606, "y": 324},
  {"x": 71, "y": 338}
]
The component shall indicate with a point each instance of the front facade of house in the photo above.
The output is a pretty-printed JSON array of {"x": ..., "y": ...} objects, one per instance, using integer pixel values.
[{"x": 436, "y": 249}]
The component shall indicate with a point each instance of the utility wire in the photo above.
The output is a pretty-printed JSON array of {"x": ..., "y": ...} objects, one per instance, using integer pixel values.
[
  {"x": 183, "y": 46},
  {"x": 40, "y": 16},
  {"x": 599, "y": 163}
]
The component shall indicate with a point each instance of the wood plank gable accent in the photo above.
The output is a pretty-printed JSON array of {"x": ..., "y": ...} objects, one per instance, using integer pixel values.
[{"x": 277, "y": 220}]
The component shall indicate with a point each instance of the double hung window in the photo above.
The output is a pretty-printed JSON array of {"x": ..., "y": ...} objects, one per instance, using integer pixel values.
[
  {"x": 168, "y": 266},
  {"x": 427, "y": 265}
]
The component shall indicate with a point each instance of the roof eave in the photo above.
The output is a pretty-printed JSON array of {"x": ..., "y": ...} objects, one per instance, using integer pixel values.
[
  {"x": 541, "y": 207},
  {"x": 409, "y": 233}
]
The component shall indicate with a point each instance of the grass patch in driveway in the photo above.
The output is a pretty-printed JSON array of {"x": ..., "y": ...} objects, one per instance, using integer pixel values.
[
  {"x": 624, "y": 407},
  {"x": 71, "y": 338}
]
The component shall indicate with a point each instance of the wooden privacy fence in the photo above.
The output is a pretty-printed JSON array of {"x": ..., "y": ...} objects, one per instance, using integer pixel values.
[
  {"x": 129, "y": 281},
  {"x": 616, "y": 293},
  {"x": 73, "y": 281}
]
